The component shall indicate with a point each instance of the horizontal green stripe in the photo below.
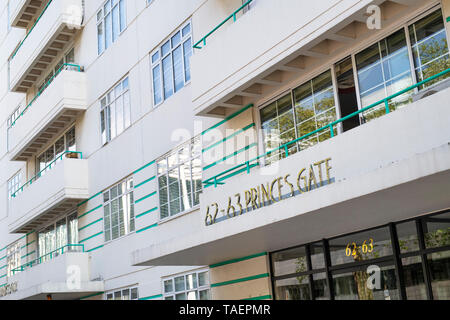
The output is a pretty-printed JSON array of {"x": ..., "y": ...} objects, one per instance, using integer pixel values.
[
  {"x": 229, "y": 156},
  {"x": 146, "y": 212},
  {"x": 3, "y": 266},
  {"x": 143, "y": 167},
  {"x": 28, "y": 244},
  {"x": 95, "y": 195},
  {"x": 90, "y": 224},
  {"x": 147, "y": 196},
  {"x": 228, "y": 118},
  {"x": 93, "y": 249},
  {"x": 93, "y": 236},
  {"x": 152, "y": 297},
  {"x": 2, "y": 258},
  {"x": 3, "y": 285},
  {"x": 225, "y": 283},
  {"x": 259, "y": 298},
  {"x": 92, "y": 295},
  {"x": 86, "y": 213},
  {"x": 28, "y": 254},
  {"x": 146, "y": 228},
  {"x": 3, "y": 276},
  {"x": 219, "y": 264},
  {"x": 144, "y": 182},
  {"x": 229, "y": 137}
]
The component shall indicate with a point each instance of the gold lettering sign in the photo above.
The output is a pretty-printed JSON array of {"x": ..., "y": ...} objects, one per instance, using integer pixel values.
[{"x": 265, "y": 194}]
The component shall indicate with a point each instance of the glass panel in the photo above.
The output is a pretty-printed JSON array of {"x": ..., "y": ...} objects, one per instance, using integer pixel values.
[
  {"x": 177, "y": 56},
  {"x": 186, "y": 30},
  {"x": 134, "y": 294},
  {"x": 123, "y": 17},
  {"x": 165, "y": 49},
  {"x": 320, "y": 286},
  {"x": 167, "y": 76},
  {"x": 115, "y": 23},
  {"x": 157, "y": 92},
  {"x": 289, "y": 261},
  {"x": 354, "y": 285},
  {"x": 180, "y": 296},
  {"x": 296, "y": 288},
  {"x": 203, "y": 279},
  {"x": 179, "y": 283},
  {"x": 407, "y": 237},
  {"x": 108, "y": 31},
  {"x": 361, "y": 246},
  {"x": 127, "y": 109},
  {"x": 176, "y": 39},
  {"x": 168, "y": 286},
  {"x": 439, "y": 264},
  {"x": 187, "y": 50},
  {"x": 192, "y": 295},
  {"x": 413, "y": 278},
  {"x": 191, "y": 281},
  {"x": 317, "y": 256},
  {"x": 437, "y": 230},
  {"x": 203, "y": 295}
]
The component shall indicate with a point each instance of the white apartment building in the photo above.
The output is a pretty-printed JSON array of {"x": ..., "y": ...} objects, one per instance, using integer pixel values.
[{"x": 224, "y": 149}]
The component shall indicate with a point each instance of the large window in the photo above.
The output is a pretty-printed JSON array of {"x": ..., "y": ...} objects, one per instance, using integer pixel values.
[
  {"x": 65, "y": 142},
  {"x": 13, "y": 258},
  {"x": 13, "y": 117},
  {"x": 429, "y": 46},
  {"x": 123, "y": 294},
  {"x": 118, "y": 210},
  {"x": 115, "y": 114},
  {"x": 190, "y": 286},
  {"x": 14, "y": 184},
  {"x": 407, "y": 260},
  {"x": 53, "y": 239},
  {"x": 171, "y": 64},
  {"x": 180, "y": 179},
  {"x": 111, "y": 21},
  {"x": 304, "y": 110}
]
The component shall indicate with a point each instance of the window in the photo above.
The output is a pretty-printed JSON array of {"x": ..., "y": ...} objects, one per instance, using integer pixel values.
[
  {"x": 13, "y": 117},
  {"x": 384, "y": 69},
  {"x": 429, "y": 46},
  {"x": 65, "y": 142},
  {"x": 180, "y": 179},
  {"x": 314, "y": 108},
  {"x": 69, "y": 57},
  {"x": 57, "y": 238},
  {"x": 190, "y": 286},
  {"x": 171, "y": 65},
  {"x": 14, "y": 185},
  {"x": 13, "y": 258},
  {"x": 118, "y": 210},
  {"x": 111, "y": 21},
  {"x": 123, "y": 294},
  {"x": 115, "y": 114}
]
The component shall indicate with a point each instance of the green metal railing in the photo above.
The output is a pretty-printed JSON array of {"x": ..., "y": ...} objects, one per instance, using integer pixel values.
[
  {"x": 49, "y": 256},
  {"x": 28, "y": 33},
  {"x": 64, "y": 66},
  {"x": 48, "y": 167},
  {"x": 232, "y": 16},
  {"x": 248, "y": 165}
]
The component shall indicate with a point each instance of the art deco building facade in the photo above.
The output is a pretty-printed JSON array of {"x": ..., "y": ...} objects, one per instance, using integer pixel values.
[{"x": 224, "y": 149}]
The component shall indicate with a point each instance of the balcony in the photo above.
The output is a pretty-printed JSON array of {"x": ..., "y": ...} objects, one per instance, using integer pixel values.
[
  {"x": 54, "y": 191},
  {"x": 54, "y": 274},
  {"x": 259, "y": 54},
  {"x": 23, "y": 12},
  {"x": 55, "y": 28},
  {"x": 55, "y": 107}
]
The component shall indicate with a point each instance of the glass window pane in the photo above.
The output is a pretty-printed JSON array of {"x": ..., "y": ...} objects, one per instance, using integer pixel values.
[
  {"x": 179, "y": 283},
  {"x": 413, "y": 278},
  {"x": 167, "y": 76},
  {"x": 157, "y": 92},
  {"x": 176, "y": 39},
  {"x": 168, "y": 286},
  {"x": 203, "y": 295},
  {"x": 439, "y": 263},
  {"x": 203, "y": 279},
  {"x": 134, "y": 294},
  {"x": 407, "y": 237},
  {"x": 165, "y": 49},
  {"x": 289, "y": 261},
  {"x": 123, "y": 17},
  {"x": 437, "y": 230},
  {"x": 177, "y": 56},
  {"x": 187, "y": 50},
  {"x": 295, "y": 288},
  {"x": 317, "y": 256},
  {"x": 186, "y": 30},
  {"x": 191, "y": 281},
  {"x": 108, "y": 30},
  {"x": 320, "y": 286},
  {"x": 115, "y": 23}
]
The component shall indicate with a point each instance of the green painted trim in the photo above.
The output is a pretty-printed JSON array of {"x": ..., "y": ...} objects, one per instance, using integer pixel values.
[
  {"x": 145, "y": 197},
  {"x": 2, "y": 258},
  {"x": 229, "y": 137},
  {"x": 90, "y": 224},
  {"x": 223, "y": 263},
  {"x": 146, "y": 228},
  {"x": 144, "y": 182},
  {"x": 3, "y": 285},
  {"x": 86, "y": 213},
  {"x": 3, "y": 276},
  {"x": 230, "y": 156},
  {"x": 93, "y": 236},
  {"x": 448, "y": 19},
  {"x": 145, "y": 166},
  {"x": 95, "y": 195},
  {"x": 228, "y": 118},
  {"x": 146, "y": 212},
  {"x": 152, "y": 297},
  {"x": 92, "y": 295},
  {"x": 28, "y": 244},
  {"x": 259, "y": 298},
  {"x": 34, "y": 251},
  {"x": 225, "y": 283},
  {"x": 93, "y": 249},
  {"x": 3, "y": 266},
  {"x": 3, "y": 249}
]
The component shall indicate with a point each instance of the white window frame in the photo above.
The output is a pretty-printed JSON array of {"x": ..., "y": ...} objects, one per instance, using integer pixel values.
[
  {"x": 14, "y": 184},
  {"x": 13, "y": 257},
  {"x": 129, "y": 228},
  {"x": 197, "y": 156},
  {"x": 156, "y": 60},
  {"x": 113, "y": 293},
  {"x": 171, "y": 295},
  {"x": 13, "y": 117},
  {"x": 110, "y": 5},
  {"x": 105, "y": 109}
]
